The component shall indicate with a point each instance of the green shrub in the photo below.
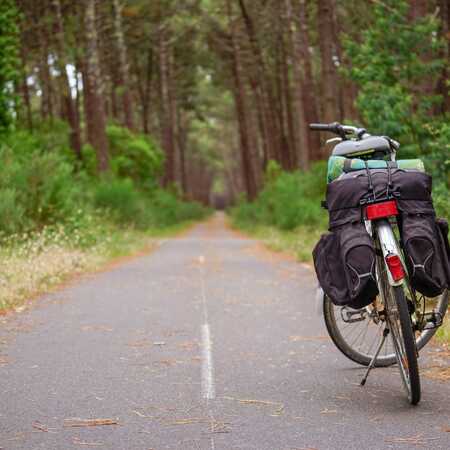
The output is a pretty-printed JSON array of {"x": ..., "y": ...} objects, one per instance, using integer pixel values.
[
  {"x": 134, "y": 156},
  {"x": 288, "y": 200},
  {"x": 167, "y": 209},
  {"x": 129, "y": 206},
  {"x": 120, "y": 199},
  {"x": 42, "y": 186},
  {"x": 11, "y": 211}
]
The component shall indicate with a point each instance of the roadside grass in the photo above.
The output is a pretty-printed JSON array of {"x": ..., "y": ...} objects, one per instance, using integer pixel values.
[
  {"x": 298, "y": 242},
  {"x": 35, "y": 263}
]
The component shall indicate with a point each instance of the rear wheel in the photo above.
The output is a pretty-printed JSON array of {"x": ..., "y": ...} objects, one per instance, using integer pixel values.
[
  {"x": 402, "y": 337},
  {"x": 356, "y": 333}
]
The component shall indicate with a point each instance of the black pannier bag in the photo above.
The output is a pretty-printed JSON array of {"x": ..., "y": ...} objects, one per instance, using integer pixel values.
[
  {"x": 347, "y": 194},
  {"x": 443, "y": 228},
  {"x": 359, "y": 261},
  {"x": 423, "y": 236},
  {"x": 424, "y": 254},
  {"x": 329, "y": 268},
  {"x": 442, "y": 225},
  {"x": 345, "y": 265}
]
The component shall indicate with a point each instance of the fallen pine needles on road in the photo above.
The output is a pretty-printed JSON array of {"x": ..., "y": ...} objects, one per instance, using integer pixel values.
[
  {"x": 247, "y": 401},
  {"x": 41, "y": 427},
  {"x": 75, "y": 422},
  {"x": 414, "y": 440},
  {"x": 78, "y": 441}
]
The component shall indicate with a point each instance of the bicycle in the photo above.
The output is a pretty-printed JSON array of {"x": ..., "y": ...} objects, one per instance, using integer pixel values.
[{"x": 398, "y": 311}]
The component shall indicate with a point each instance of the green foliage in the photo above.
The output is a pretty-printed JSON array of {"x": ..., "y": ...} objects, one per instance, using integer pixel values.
[
  {"x": 134, "y": 156},
  {"x": 437, "y": 159},
  {"x": 167, "y": 209},
  {"x": 127, "y": 206},
  {"x": 43, "y": 184},
  {"x": 121, "y": 201},
  {"x": 30, "y": 197},
  {"x": 393, "y": 59},
  {"x": 9, "y": 44},
  {"x": 287, "y": 201}
]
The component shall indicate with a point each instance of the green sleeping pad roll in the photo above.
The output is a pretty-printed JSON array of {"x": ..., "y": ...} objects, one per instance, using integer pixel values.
[{"x": 337, "y": 165}]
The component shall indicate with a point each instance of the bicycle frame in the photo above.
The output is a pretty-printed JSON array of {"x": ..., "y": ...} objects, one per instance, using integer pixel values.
[{"x": 389, "y": 247}]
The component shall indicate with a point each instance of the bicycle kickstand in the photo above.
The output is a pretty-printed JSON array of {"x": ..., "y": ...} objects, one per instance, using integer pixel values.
[{"x": 372, "y": 363}]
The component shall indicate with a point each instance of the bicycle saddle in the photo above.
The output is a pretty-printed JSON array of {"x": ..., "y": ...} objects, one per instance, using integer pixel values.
[{"x": 365, "y": 148}]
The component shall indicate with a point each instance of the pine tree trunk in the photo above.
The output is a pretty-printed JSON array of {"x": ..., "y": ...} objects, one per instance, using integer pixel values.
[
  {"x": 241, "y": 111},
  {"x": 166, "y": 125},
  {"x": 123, "y": 67},
  {"x": 308, "y": 88},
  {"x": 68, "y": 104},
  {"x": 267, "y": 95},
  {"x": 182, "y": 139},
  {"x": 47, "y": 108},
  {"x": 25, "y": 90},
  {"x": 280, "y": 109},
  {"x": 299, "y": 61},
  {"x": 146, "y": 92},
  {"x": 261, "y": 118},
  {"x": 329, "y": 78},
  {"x": 173, "y": 109},
  {"x": 95, "y": 111}
]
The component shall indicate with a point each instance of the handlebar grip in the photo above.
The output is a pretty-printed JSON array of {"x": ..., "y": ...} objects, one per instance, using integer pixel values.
[{"x": 319, "y": 126}]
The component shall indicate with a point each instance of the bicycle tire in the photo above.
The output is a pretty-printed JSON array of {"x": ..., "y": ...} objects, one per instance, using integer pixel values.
[
  {"x": 364, "y": 359},
  {"x": 407, "y": 361}
]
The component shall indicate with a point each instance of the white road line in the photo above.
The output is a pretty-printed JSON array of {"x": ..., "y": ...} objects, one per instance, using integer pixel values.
[{"x": 208, "y": 387}]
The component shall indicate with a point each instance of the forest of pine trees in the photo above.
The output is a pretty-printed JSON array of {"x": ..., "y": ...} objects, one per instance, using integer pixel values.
[{"x": 226, "y": 86}]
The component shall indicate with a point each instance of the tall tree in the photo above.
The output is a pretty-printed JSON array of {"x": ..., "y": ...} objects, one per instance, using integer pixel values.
[
  {"x": 167, "y": 119},
  {"x": 241, "y": 109},
  {"x": 258, "y": 65},
  {"x": 299, "y": 63},
  {"x": 329, "y": 78},
  {"x": 68, "y": 103},
  {"x": 123, "y": 66},
  {"x": 309, "y": 89},
  {"x": 93, "y": 89},
  {"x": 42, "y": 24}
]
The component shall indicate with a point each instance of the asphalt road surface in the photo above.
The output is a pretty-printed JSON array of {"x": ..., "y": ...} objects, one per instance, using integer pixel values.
[{"x": 209, "y": 342}]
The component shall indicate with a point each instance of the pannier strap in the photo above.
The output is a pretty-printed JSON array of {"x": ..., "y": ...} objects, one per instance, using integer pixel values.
[
  {"x": 392, "y": 164},
  {"x": 369, "y": 177}
]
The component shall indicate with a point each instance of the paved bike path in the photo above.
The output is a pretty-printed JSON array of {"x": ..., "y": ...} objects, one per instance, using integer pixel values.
[{"x": 209, "y": 342}]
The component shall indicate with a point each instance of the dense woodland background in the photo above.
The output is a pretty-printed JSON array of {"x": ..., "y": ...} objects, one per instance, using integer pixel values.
[{"x": 139, "y": 107}]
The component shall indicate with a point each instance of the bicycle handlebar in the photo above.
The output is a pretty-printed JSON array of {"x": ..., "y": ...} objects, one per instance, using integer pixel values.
[
  {"x": 340, "y": 130},
  {"x": 319, "y": 127},
  {"x": 334, "y": 127},
  {"x": 344, "y": 130}
]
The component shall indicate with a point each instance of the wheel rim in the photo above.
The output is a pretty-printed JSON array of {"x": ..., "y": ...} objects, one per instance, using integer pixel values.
[
  {"x": 362, "y": 337},
  {"x": 398, "y": 342}
]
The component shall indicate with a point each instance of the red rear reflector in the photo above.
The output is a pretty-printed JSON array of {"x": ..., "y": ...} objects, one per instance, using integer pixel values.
[
  {"x": 380, "y": 210},
  {"x": 395, "y": 267}
]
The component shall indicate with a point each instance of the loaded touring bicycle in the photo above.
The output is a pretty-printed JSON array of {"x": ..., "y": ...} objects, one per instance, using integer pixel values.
[{"x": 383, "y": 267}]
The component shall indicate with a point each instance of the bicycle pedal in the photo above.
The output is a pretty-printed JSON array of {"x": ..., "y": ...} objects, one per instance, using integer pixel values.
[
  {"x": 432, "y": 320},
  {"x": 353, "y": 316}
]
